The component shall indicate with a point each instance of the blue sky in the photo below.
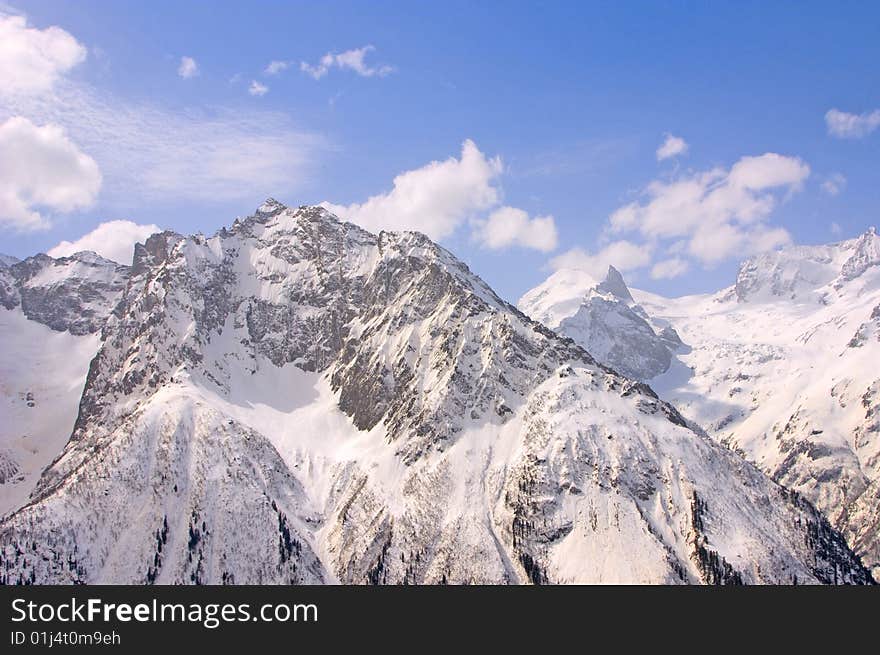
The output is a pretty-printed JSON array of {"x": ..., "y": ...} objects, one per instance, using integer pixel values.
[{"x": 574, "y": 99}]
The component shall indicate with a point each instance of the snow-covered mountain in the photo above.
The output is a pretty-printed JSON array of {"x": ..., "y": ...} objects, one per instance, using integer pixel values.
[
  {"x": 295, "y": 399},
  {"x": 51, "y": 313},
  {"x": 604, "y": 318},
  {"x": 782, "y": 367}
]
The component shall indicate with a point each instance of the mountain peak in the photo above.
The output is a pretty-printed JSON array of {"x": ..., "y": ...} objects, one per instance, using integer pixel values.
[
  {"x": 272, "y": 209},
  {"x": 72, "y": 294},
  {"x": 89, "y": 257},
  {"x": 270, "y": 206},
  {"x": 614, "y": 284},
  {"x": 316, "y": 213},
  {"x": 800, "y": 273},
  {"x": 866, "y": 254},
  {"x": 7, "y": 260},
  {"x": 419, "y": 398}
]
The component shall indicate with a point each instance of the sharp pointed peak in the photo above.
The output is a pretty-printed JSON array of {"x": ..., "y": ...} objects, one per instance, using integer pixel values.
[{"x": 615, "y": 285}]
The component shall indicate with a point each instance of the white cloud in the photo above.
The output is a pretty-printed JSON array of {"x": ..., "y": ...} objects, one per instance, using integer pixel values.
[
  {"x": 148, "y": 153},
  {"x": 835, "y": 228},
  {"x": 623, "y": 255},
  {"x": 509, "y": 226},
  {"x": 352, "y": 60},
  {"x": 671, "y": 147},
  {"x": 274, "y": 67},
  {"x": 767, "y": 171},
  {"x": 31, "y": 60},
  {"x": 719, "y": 242},
  {"x": 188, "y": 68},
  {"x": 851, "y": 126},
  {"x": 669, "y": 268},
  {"x": 257, "y": 89},
  {"x": 834, "y": 184},
  {"x": 719, "y": 212},
  {"x": 113, "y": 240},
  {"x": 766, "y": 238},
  {"x": 41, "y": 168},
  {"x": 434, "y": 199}
]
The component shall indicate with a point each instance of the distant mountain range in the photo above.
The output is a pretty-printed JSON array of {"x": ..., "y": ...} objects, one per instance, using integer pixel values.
[{"x": 781, "y": 367}]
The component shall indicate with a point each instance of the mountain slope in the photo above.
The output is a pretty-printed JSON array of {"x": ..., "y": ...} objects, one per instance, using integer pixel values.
[
  {"x": 604, "y": 318},
  {"x": 297, "y": 400},
  {"x": 781, "y": 367},
  {"x": 51, "y": 312}
]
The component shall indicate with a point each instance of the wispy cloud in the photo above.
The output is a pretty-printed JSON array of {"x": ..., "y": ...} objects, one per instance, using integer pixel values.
[
  {"x": 257, "y": 89},
  {"x": 188, "y": 68},
  {"x": 669, "y": 268},
  {"x": 274, "y": 67},
  {"x": 834, "y": 184},
  {"x": 672, "y": 146},
  {"x": 352, "y": 60},
  {"x": 851, "y": 126},
  {"x": 585, "y": 158},
  {"x": 152, "y": 152}
]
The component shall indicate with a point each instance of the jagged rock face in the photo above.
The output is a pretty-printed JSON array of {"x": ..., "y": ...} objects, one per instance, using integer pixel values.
[
  {"x": 784, "y": 274},
  {"x": 861, "y": 517},
  {"x": 865, "y": 254},
  {"x": 51, "y": 313},
  {"x": 802, "y": 272},
  {"x": 614, "y": 284},
  {"x": 191, "y": 499},
  {"x": 10, "y": 471},
  {"x": 618, "y": 337},
  {"x": 781, "y": 367},
  {"x": 868, "y": 331},
  {"x": 842, "y": 476},
  {"x": 603, "y": 318},
  {"x": 73, "y": 293},
  {"x": 298, "y": 400}
]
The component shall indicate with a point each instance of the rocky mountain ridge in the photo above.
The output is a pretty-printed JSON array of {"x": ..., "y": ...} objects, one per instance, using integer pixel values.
[
  {"x": 297, "y": 400},
  {"x": 780, "y": 368}
]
